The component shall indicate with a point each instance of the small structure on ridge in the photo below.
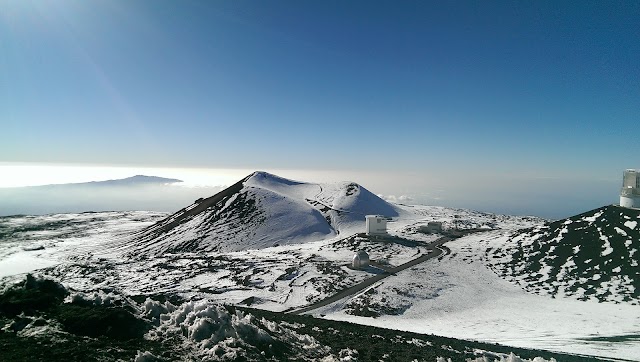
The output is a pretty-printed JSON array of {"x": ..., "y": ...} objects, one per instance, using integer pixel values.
[
  {"x": 360, "y": 260},
  {"x": 432, "y": 227}
]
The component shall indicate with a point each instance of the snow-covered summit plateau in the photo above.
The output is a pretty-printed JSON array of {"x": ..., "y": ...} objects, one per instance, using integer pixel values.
[
  {"x": 263, "y": 210},
  {"x": 281, "y": 245}
]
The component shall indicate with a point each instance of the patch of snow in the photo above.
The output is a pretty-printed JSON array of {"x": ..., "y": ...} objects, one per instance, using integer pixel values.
[
  {"x": 606, "y": 246},
  {"x": 506, "y": 358},
  {"x": 24, "y": 262},
  {"x": 620, "y": 231},
  {"x": 145, "y": 356},
  {"x": 98, "y": 298},
  {"x": 591, "y": 219},
  {"x": 218, "y": 334},
  {"x": 348, "y": 354}
]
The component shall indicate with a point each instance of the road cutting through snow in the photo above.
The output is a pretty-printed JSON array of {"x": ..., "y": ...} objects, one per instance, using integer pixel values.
[{"x": 438, "y": 251}]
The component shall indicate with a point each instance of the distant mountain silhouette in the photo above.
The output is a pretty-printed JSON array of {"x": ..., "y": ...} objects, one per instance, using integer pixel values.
[
  {"x": 129, "y": 181},
  {"x": 132, "y": 193}
]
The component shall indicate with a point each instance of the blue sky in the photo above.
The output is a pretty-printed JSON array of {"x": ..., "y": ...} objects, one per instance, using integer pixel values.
[{"x": 504, "y": 89}]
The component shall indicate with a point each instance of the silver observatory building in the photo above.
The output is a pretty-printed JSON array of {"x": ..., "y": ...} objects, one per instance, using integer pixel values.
[{"x": 630, "y": 192}]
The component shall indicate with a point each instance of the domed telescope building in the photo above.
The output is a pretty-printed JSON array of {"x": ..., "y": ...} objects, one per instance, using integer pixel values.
[
  {"x": 360, "y": 260},
  {"x": 630, "y": 192}
]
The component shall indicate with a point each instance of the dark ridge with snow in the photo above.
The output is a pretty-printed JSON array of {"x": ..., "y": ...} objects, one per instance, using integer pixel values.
[
  {"x": 593, "y": 255},
  {"x": 260, "y": 211}
]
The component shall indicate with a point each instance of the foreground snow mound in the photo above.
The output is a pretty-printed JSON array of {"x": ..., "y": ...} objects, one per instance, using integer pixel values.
[
  {"x": 260, "y": 211},
  {"x": 593, "y": 255},
  {"x": 217, "y": 334}
]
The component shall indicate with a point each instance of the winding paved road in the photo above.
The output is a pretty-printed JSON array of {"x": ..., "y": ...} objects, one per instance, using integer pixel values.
[{"x": 369, "y": 282}]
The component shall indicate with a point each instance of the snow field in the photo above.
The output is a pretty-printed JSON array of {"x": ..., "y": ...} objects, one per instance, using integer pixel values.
[
  {"x": 462, "y": 295},
  {"x": 473, "y": 303}
]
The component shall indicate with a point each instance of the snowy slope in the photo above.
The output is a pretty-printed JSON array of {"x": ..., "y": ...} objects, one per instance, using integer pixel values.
[
  {"x": 462, "y": 298},
  {"x": 260, "y": 211},
  {"x": 465, "y": 294},
  {"x": 460, "y": 294}
]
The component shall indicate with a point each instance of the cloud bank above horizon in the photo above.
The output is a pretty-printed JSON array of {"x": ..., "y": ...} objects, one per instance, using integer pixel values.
[{"x": 519, "y": 195}]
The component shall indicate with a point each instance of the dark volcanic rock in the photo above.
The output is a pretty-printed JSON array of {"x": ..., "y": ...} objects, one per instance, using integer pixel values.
[
  {"x": 31, "y": 296},
  {"x": 591, "y": 255}
]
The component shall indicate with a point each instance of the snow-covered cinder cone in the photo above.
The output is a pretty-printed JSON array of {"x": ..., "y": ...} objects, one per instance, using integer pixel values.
[{"x": 260, "y": 211}]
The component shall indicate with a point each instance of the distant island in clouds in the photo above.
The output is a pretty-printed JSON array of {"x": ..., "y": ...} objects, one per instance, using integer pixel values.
[
  {"x": 136, "y": 180},
  {"x": 140, "y": 192}
]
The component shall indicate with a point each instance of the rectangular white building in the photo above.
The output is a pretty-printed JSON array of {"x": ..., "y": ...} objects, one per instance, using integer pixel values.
[
  {"x": 432, "y": 227},
  {"x": 376, "y": 225}
]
